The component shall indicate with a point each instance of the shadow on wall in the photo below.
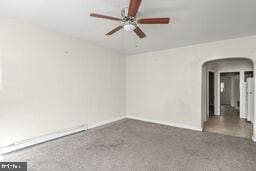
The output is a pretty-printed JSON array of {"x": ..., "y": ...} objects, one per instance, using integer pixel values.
[{"x": 210, "y": 99}]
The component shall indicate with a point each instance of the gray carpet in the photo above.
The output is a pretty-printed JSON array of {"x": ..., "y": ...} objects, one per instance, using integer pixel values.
[{"x": 136, "y": 145}]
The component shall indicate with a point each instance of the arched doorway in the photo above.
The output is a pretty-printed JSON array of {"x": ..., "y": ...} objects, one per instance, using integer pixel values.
[{"x": 227, "y": 106}]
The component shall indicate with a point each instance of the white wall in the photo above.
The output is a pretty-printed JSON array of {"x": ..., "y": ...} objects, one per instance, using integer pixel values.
[
  {"x": 235, "y": 90},
  {"x": 51, "y": 82},
  {"x": 165, "y": 86},
  {"x": 234, "y": 65}
]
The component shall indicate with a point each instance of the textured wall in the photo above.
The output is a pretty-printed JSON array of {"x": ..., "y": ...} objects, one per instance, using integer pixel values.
[
  {"x": 166, "y": 86},
  {"x": 51, "y": 82}
]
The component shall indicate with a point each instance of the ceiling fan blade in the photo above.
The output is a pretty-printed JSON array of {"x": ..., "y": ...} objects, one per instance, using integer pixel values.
[
  {"x": 133, "y": 7},
  {"x": 114, "y": 30},
  {"x": 105, "y": 17},
  {"x": 154, "y": 21},
  {"x": 140, "y": 33}
]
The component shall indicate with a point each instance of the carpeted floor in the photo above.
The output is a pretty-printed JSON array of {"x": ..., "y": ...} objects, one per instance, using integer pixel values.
[{"x": 136, "y": 145}]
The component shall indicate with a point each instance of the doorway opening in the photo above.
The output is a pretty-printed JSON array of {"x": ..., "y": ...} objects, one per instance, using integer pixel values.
[
  {"x": 211, "y": 94},
  {"x": 229, "y": 102},
  {"x": 229, "y": 93}
]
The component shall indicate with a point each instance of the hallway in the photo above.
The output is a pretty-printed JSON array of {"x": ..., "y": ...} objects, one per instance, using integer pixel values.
[{"x": 229, "y": 123}]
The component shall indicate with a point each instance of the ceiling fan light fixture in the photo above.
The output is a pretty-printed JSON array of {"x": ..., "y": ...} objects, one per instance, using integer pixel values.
[
  {"x": 130, "y": 26},
  {"x": 129, "y": 19}
]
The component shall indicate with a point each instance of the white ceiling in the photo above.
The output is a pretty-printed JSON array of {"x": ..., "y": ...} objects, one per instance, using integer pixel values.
[{"x": 192, "y": 21}]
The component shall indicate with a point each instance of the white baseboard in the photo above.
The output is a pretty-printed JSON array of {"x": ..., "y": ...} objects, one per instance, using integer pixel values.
[
  {"x": 173, "y": 124},
  {"x": 106, "y": 122},
  {"x": 217, "y": 113},
  {"x": 253, "y": 138},
  {"x": 52, "y": 136},
  {"x": 37, "y": 140},
  {"x": 242, "y": 116},
  {"x": 40, "y": 139}
]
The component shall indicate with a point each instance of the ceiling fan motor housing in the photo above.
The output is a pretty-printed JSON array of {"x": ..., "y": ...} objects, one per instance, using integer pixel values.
[{"x": 125, "y": 15}]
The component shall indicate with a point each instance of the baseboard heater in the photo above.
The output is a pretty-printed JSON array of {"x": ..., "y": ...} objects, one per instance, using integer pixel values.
[{"x": 40, "y": 139}]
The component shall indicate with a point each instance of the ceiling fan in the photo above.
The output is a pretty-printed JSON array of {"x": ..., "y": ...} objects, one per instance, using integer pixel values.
[{"x": 129, "y": 20}]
